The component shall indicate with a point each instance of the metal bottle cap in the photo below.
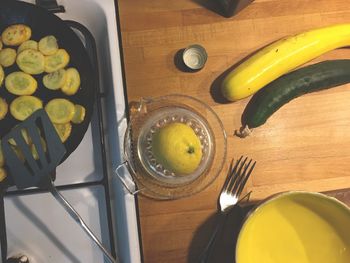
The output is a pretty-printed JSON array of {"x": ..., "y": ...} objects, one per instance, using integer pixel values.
[{"x": 194, "y": 57}]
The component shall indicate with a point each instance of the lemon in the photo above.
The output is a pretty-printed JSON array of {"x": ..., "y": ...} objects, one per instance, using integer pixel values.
[{"x": 177, "y": 148}]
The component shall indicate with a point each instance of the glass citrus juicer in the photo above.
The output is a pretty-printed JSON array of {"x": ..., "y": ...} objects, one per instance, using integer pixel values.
[{"x": 151, "y": 178}]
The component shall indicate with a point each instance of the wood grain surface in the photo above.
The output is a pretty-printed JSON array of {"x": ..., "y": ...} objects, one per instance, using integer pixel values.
[{"x": 304, "y": 146}]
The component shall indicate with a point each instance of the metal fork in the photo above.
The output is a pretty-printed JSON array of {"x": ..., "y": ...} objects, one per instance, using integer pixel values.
[{"x": 230, "y": 196}]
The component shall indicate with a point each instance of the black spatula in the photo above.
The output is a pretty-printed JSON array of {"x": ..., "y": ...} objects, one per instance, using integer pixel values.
[
  {"x": 32, "y": 165},
  {"x": 26, "y": 170}
]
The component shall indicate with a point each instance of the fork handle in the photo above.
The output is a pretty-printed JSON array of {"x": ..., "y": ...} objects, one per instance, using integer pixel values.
[
  {"x": 208, "y": 249},
  {"x": 77, "y": 218}
]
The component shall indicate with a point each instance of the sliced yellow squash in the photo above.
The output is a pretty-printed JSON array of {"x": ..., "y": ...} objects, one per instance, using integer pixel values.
[
  {"x": 3, "y": 174},
  {"x": 16, "y": 34},
  {"x": 29, "y": 44},
  {"x": 72, "y": 84},
  {"x": 25, "y": 136},
  {"x": 55, "y": 80},
  {"x": 48, "y": 45},
  {"x": 56, "y": 61},
  {"x": 63, "y": 130},
  {"x": 79, "y": 114},
  {"x": 31, "y": 61},
  {"x": 3, "y": 108},
  {"x": 35, "y": 152},
  {"x": 7, "y": 57},
  {"x": 60, "y": 111},
  {"x": 20, "y": 83},
  {"x": 2, "y": 75},
  {"x": 18, "y": 153},
  {"x": 24, "y": 106}
]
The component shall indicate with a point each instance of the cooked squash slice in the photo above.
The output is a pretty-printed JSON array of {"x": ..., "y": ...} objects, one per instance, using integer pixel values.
[
  {"x": 24, "y": 106},
  {"x": 55, "y": 80},
  {"x": 60, "y": 111},
  {"x": 31, "y": 61},
  {"x": 3, "y": 174},
  {"x": 16, "y": 34},
  {"x": 48, "y": 45},
  {"x": 7, "y": 57},
  {"x": 2, "y": 158},
  {"x": 0, "y": 44},
  {"x": 2, "y": 75},
  {"x": 72, "y": 84},
  {"x": 20, "y": 83},
  {"x": 79, "y": 114},
  {"x": 63, "y": 130},
  {"x": 29, "y": 44},
  {"x": 3, "y": 108},
  {"x": 19, "y": 153},
  {"x": 34, "y": 150},
  {"x": 56, "y": 61},
  {"x": 25, "y": 136}
]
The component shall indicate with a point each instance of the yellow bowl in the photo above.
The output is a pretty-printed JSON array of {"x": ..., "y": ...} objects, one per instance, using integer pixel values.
[{"x": 296, "y": 227}]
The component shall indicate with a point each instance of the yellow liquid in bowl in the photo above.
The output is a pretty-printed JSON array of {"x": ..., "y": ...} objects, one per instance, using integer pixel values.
[{"x": 296, "y": 228}]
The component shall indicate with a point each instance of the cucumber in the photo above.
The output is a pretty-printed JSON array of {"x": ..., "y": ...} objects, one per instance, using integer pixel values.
[{"x": 316, "y": 77}]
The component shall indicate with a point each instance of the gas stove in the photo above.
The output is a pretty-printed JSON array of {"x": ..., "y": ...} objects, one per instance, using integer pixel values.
[{"x": 36, "y": 225}]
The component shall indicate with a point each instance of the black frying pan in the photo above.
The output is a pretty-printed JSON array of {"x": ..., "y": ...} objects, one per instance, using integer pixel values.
[{"x": 42, "y": 24}]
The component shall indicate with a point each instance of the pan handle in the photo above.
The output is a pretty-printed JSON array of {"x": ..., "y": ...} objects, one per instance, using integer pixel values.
[
  {"x": 123, "y": 174},
  {"x": 77, "y": 218},
  {"x": 50, "y": 5}
]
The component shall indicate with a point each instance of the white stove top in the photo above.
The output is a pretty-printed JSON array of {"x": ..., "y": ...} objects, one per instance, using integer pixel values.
[
  {"x": 36, "y": 224},
  {"x": 50, "y": 235}
]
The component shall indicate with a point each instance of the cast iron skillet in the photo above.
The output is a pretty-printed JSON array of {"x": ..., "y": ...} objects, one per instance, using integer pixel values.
[{"x": 42, "y": 24}]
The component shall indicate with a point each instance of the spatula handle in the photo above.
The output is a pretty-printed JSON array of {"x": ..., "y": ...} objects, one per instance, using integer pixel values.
[{"x": 71, "y": 211}]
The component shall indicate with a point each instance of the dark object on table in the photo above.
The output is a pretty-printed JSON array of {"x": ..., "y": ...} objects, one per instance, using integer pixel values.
[
  {"x": 224, "y": 249},
  {"x": 232, "y": 7}
]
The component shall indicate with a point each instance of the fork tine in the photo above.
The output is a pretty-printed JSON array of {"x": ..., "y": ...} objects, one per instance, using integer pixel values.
[
  {"x": 230, "y": 174},
  {"x": 246, "y": 177},
  {"x": 237, "y": 175},
  {"x": 240, "y": 176}
]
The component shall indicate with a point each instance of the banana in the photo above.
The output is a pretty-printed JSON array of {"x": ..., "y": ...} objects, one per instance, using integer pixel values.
[{"x": 281, "y": 57}]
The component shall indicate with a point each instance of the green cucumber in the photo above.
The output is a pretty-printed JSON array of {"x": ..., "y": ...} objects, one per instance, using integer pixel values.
[{"x": 316, "y": 77}]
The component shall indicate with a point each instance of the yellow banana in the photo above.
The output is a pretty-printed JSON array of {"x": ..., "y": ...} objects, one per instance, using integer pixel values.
[{"x": 281, "y": 57}]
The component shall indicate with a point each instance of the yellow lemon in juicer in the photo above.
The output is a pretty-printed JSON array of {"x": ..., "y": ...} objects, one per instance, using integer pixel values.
[
  {"x": 296, "y": 227},
  {"x": 177, "y": 147}
]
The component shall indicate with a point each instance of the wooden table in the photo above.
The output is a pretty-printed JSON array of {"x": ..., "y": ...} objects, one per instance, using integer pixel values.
[{"x": 305, "y": 145}]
